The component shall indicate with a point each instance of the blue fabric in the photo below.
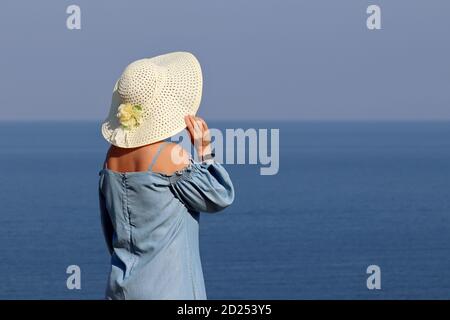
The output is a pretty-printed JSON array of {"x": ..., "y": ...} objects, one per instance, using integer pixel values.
[{"x": 151, "y": 226}]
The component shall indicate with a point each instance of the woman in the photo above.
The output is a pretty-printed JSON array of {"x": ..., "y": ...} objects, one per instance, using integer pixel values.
[{"x": 151, "y": 191}]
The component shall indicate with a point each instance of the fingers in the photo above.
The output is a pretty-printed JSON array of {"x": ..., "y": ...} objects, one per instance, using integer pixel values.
[
  {"x": 198, "y": 140},
  {"x": 197, "y": 126},
  {"x": 198, "y": 131},
  {"x": 204, "y": 125},
  {"x": 200, "y": 122},
  {"x": 194, "y": 128},
  {"x": 190, "y": 127},
  {"x": 206, "y": 137}
]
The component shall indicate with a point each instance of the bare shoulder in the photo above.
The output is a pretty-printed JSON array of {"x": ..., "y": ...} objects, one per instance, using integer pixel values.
[{"x": 173, "y": 158}]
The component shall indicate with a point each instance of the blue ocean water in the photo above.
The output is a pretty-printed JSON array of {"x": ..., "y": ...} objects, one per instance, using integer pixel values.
[{"x": 347, "y": 195}]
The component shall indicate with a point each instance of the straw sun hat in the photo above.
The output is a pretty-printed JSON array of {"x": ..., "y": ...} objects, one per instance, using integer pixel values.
[{"x": 151, "y": 99}]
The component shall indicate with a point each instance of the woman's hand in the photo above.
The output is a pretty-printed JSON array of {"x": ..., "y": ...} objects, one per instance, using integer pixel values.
[{"x": 199, "y": 133}]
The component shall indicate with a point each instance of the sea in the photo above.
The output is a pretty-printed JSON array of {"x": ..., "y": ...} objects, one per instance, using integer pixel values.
[{"x": 348, "y": 197}]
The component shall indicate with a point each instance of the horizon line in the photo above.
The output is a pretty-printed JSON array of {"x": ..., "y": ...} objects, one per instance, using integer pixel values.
[{"x": 245, "y": 120}]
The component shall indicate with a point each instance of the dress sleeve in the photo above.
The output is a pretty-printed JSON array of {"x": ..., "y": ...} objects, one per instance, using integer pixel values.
[
  {"x": 204, "y": 186},
  {"x": 106, "y": 223}
]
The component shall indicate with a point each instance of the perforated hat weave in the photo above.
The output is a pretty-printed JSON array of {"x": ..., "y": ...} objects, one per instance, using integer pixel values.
[{"x": 166, "y": 87}]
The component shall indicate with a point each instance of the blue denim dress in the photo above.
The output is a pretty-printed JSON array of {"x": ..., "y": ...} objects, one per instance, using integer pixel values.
[{"x": 150, "y": 222}]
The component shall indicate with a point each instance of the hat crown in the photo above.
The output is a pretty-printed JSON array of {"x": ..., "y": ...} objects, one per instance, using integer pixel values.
[{"x": 139, "y": 82}]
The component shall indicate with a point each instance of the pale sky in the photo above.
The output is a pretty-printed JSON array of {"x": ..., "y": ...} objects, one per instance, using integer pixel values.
[{"x": 277, "y": 59}]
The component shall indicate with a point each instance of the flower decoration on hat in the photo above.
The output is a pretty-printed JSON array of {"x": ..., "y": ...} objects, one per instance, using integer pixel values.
[{"x": 129, "y": 115}]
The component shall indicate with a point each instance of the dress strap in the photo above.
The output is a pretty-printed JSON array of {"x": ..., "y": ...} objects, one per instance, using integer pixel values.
[{"x": 155, "y": 157}]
